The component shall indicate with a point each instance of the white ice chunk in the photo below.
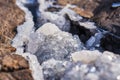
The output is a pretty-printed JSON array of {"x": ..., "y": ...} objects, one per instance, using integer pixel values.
[
  {"x": 88, "y": 25},
  {"x": 85, "y": 56},
  {"x": 90, "y": 42},
  {"x": 35, "y": 67},
  {"x": 48, "y": 29},
  {"x": 23, "y": 30}
]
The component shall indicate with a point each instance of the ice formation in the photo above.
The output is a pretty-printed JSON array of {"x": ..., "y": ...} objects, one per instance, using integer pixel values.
[
  {"x": 52, "y": 43},
  {"x": 22, "y": 38},
  {"x": 23, "y": 30},
  {"x": 37, "y": 72},
  {"x": 55, "y": 53}
]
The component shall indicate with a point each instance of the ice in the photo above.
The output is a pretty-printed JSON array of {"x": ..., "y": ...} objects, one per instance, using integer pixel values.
[
  {"x": 23, "y": 30},
  {"x": 48, "y": 29},
  {"x": 88, "y": 25},
  {"x": 53, "y": 44},
  {"x": 85, "y": 56},
  {"x": 36, "y": 68}
]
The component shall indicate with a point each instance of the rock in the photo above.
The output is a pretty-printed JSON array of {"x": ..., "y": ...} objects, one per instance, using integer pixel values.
[
  {"x": 16, "y": 75},
  {"x": 84, "y": 8},
  {"x": 84, "y": 29},
  {"x": 65, "y": 2},
  {"x": 85, "y": 56},
  {"x": 107, "y": 17},
  {"x": 5, "y": 49},
  {"x": 14, "y": 67},
  {"x": 111, "y": 43},
  {"x": 14, "y": 62},
  {"x": 6, "y": 76},
  {"x": 22, "y": 75},
  {"x": 10, "y": 17},
  {"x": 82, "y": 12}
]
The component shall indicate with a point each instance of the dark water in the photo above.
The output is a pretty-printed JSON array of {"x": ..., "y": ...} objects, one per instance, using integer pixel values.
[{"x": 33, "y": 7}]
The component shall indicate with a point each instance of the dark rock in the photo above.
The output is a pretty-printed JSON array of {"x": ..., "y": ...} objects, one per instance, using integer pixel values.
[
  {"x": 22, "y": 75},
  {"x": 84, "y": 33},
  {"x": 103, "y": 14},
  {"x": 6, "y": 76},
  {"x": 16, "y": 75},
  {"x": 107, "y": 17},
  {"x": 111, "y": 43}
]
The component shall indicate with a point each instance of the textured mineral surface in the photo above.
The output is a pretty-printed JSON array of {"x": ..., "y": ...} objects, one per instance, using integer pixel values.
[
  {"x": 10, "y": 17},
  {"x": 101, "y": 66},
  {"x": 12, "y": 66},
  {"x": 100, "y": 11},
  {"x": 59, "y": 40}
]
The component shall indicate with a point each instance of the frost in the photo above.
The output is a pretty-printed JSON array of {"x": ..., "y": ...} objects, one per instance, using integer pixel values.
[{"x": 23, "y": 30}]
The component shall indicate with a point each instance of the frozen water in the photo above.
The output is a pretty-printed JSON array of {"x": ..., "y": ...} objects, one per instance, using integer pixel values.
[
  {"x": 23, "y": 30},
  {"x": 53, "y": 44},
  {"x": 37, "y": 72},
  {"x": 48, "y": 29},
  {"x": 59, "y": 52},
  {"x": 88, "y": 25},
  {"x": 22, "y": 38},
  {"x": 85, "y": 56}
]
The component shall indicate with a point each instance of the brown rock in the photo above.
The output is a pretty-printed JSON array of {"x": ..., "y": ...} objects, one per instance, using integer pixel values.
[
  {"x": 111, "y": 43},
  {"x": 22, "y": 75},
  {"x": 100, "y": 11},
  {"x": 10, "y": 17},
  {"x": 82, "y": 12},
  {"x": 6, "y": 76},
  {"x": 84, "y": 8},
  {"x": 108, "y": 18},
  {"x": 16, "y": 75},
  {"x": 14, "y": 62},
  {"x": 14, "y": 67},
  {"x": 65, "y": 2},
  {"x": 6, "y": 48}
]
